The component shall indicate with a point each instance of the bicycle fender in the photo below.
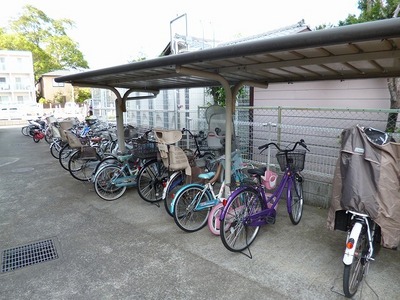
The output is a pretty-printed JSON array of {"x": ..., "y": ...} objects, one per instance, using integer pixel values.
[
  {"x": 182, "y": 189},
  {"x": 354, "y": 234},
  {"x": 232, "y": 196},
  {"x": 167, "y": 186}
]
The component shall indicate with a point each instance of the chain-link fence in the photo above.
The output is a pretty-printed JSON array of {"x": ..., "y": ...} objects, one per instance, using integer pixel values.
[{"x": 254, "y": 126}]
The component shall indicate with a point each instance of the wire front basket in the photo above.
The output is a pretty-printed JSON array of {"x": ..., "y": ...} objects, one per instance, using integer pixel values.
[
  {"x": 295, "y": 160},
  {"x": 145, "y": 150}
]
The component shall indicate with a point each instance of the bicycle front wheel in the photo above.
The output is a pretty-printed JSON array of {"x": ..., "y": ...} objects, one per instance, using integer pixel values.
[
  {"x": 82, "y": 168},
  {"x": 187, "y": 214},
  {"x": 296, "y": 202},
  {"x": 353, "y": 273},
  {"x": 214, "y": 223},
  {"x": 55, "y": 149},
  {"x": 25, "y": 130},
  {"x": 65, "y": 155},
  {"x": 150, "y": 181},
  {"x": 105, "y": 182},
  {"x": 235, "y": 232}
]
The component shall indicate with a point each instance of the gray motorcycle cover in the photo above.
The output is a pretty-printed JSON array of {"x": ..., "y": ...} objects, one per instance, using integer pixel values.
[{"x": 367, "y": 180}]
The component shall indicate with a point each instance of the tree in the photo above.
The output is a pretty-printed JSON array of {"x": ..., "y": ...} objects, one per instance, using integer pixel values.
[
  {"x": 82, "y": 94},
  {"x": 46, "y": 38},
  {"x": 218, "y": 94},
  {"x": 372, "y": 10}
]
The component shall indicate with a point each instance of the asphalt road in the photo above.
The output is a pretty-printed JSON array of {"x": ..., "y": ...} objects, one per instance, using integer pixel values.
[{"x": 130, "y": 249}]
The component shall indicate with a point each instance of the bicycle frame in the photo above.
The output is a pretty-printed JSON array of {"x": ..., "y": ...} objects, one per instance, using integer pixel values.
[
  {"x": 268, "y": 214},
  {"x": 206, "y": 189},
  {"x": 130, "y": 179}
]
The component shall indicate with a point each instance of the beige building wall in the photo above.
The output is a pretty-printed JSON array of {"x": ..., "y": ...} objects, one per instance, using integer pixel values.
[{"x": 49, "y": 88}]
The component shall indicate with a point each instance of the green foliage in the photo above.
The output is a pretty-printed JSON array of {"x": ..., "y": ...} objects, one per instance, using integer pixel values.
[
  {"x": 219, "y": 95},
  {"x": 59, "y": 98},
  {"x": 46, "y": 38},
  {"x": 372, "y": 10},
  {"x": 43, "y": 101},
  {"x": 82, "y": 94}
]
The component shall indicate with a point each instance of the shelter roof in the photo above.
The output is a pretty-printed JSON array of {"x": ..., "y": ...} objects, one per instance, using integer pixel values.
[{"x": 367, "y": 50}]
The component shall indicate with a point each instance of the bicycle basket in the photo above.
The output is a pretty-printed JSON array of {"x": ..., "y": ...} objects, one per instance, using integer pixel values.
[
  {"x": 88, "y": 152},
  {"x": 295, "y": 160},
  {"x": 145, "y": 150}
]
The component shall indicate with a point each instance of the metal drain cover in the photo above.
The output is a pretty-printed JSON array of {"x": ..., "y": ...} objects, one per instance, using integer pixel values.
[{"x": 23, "y": 256}]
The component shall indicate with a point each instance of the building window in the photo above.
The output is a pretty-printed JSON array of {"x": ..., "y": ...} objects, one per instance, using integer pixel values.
[
  {"x": 57, "y": 84},
  {"x": 4, "y": 100},
  {"x": 20, "y": 99},
  {"x": 2, "y": 63},
  {"x": 3, "y": 84}
]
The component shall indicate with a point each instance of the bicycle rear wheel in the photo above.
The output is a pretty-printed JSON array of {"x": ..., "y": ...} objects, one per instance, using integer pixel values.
[
  {"x": 186, "y": 213},
  {"x": 296, "y": 201},
  {"x": 235, "y": 233},
  {"x": 150, "y": 180},
  {"x": 104, "y": 182},
  {"x": 354, "y": 273},
  {"x": 173, "y": 186}
]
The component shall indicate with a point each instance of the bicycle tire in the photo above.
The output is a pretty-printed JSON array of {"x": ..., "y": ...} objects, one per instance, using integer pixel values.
[
  {"x": 55, "y": 149},
  {"x": 173, "y": 186},
  {"x": 48, "y": 135},
  {"x": 214, "y": 223},
  {"x": 25, "y": 130},
  {"x": 103, "y": 183},
  {"x": 353, "y": 273},
  {"x": 65, "y": 154},
  {"x": 82, "y": 168},
  {"x": 105, "y": 161},
  {"x": 186, "y": 216},
  {"x": 296, "y": 202},
  {"x": 35, "y": 138},
  {"x": 236, "y": 235},
  {"x": 150, "y": 180}
]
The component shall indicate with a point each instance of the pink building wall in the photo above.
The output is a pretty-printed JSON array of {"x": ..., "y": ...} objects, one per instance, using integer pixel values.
[{"x": 358, "y": 94}]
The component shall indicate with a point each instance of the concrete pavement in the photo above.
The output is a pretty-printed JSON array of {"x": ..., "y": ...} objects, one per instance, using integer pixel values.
[{"x": 130, "y": 249}]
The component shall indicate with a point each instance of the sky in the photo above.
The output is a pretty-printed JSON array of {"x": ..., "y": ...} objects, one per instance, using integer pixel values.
[{"x": 115, "y": 32}]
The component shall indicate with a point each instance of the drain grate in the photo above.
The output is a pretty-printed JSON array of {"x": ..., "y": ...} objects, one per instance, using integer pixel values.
[{"x": 23, "y": 256}]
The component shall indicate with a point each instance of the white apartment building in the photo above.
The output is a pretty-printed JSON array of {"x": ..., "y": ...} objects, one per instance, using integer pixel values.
[{"x": 17, "y": 84}]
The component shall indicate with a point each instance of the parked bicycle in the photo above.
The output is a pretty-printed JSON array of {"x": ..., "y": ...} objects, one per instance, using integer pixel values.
[
  {"x": 178, "y": 178},
  {"x": 362, "y": 234},
  {"x": 29, "y": 130},
  {"x": 354, "y": 206},
  {"x": 133, "y": 170},
  {"x": 193, "y": 202},
  {"x": 248, "y": 207}
]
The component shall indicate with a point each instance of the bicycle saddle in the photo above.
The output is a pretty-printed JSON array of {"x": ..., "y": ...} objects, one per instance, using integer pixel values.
[{"x": 258, "y": 171}]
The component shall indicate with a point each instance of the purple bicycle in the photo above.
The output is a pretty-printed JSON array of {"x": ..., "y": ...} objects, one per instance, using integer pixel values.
[{"x": 248, "y": 207}]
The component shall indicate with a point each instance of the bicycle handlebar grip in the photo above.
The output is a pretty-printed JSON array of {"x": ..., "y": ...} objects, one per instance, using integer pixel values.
[
  {"x": 303, "y": 144},
  {"x": 263, "y": 146}
]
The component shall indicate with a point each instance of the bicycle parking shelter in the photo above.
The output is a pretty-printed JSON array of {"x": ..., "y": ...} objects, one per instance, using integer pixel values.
[{"x": 366, "y": 50}]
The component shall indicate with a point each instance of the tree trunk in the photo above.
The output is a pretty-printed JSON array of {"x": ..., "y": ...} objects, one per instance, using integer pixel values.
[{"x": 394, "y": 91}]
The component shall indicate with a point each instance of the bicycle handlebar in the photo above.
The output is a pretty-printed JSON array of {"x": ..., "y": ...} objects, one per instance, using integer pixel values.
[{"x": 301, "y": 143}]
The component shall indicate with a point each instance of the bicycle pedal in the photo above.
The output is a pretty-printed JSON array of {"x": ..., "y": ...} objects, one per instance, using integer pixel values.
[{"x": 270, "y": 220}]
